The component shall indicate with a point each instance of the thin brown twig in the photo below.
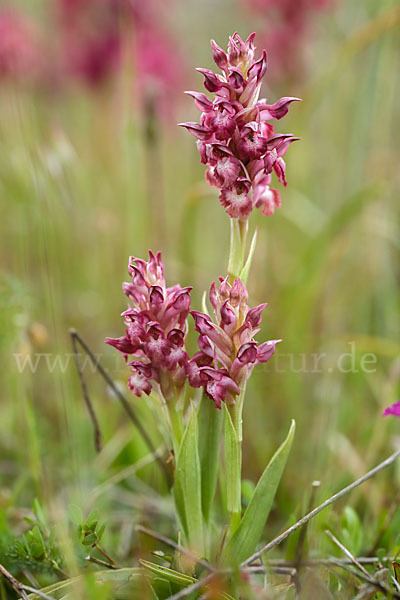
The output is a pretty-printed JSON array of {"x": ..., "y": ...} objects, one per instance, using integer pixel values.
[
  {"x": 89, "y": 405},
  {"x": 101, "y": 563},
  {"x": 15, "y": 584},
  {"x": 127, "y": 407},
  {"x": 319, "y": 508},
  {"x": 347, "y": 552},
  {"x": 39, "y": 593},
  {"x": 106, "y": 556},
  {"x": 168, "y": 542},
  {"x": 311, "y": 562}
]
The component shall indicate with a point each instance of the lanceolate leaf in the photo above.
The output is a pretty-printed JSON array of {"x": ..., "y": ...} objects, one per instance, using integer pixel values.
[
  {"x": 188, "y": 485},
  {"x": 245, "y": 539},
  {"x": 170, "y": 574},
  {"x": 210, "y": 425},
  {"x": 233, "y": 466}
]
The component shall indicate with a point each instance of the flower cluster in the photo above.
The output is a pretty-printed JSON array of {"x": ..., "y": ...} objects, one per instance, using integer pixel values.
[
  {"x": 156, "y": 327},
  {"x": 228, "y": 351},
  {"x": 156, "y": 324},
  {"x": 235, "y": 140}
]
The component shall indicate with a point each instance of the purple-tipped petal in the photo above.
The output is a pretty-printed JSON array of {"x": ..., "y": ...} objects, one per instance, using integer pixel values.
[
  {"x": 253, "y": 317},
  {"x": 211, "y": 82},
  {"x": 122, "y": 344},
  {"x": 247, "y": 353},
  {"x": 199, "y": 132},
  {"x": 277, "y": 110},
  {"x": 219, "y": 56},
  {"x": 266, "y": 350},
  {"x": 259, "y": 68},
  {"x": 201, "y": 101}
]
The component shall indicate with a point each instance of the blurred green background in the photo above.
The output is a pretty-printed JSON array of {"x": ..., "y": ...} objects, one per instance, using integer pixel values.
[{"x": 90, "y": 174}]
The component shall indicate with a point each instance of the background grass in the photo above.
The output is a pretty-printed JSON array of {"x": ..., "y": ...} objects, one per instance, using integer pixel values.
[{"x": 81, "y": 186}]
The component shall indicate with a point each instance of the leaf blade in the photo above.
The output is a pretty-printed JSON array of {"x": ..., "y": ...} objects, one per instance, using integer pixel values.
[
  {"x": 210, "y": 426},
  {"x": 246, "y": 537},
  {"x": 188, "y": 485}
]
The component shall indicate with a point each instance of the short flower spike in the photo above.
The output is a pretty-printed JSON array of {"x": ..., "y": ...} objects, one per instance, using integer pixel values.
[
  {"x": 228, "y": 352},
  {"x": 156, "y": 325}
]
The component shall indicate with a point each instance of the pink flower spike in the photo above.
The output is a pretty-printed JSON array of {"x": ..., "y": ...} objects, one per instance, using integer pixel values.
[
  {"x": 156, "y": 327},
  {"x": 234, "y": 123},
  {"x": 393, "y": 410},
  {"x": 228, "y": 351}
]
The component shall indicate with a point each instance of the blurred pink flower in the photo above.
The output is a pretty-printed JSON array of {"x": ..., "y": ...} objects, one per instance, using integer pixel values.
[
  {"x": 235, "y": 140},
  {"x": 20, "y": 51},
  {"x": 393, "y": 410},
  {"x": 287, "y": 31},
  {"x": 96, "y": 33},
  {"x": 159, "y": 67},
  {"x": 90, "y": 38},
  {"x": 228, "y": 352}
]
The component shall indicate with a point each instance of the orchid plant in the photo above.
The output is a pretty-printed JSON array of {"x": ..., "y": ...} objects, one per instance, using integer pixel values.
[{"x": 202, "y": 396}]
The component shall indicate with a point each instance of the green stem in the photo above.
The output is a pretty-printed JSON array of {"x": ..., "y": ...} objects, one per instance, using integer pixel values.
[
  {"x": 177, "y": 425},
  {"x": 237, "y": 248},
  {"x": 234, "y": 471}
]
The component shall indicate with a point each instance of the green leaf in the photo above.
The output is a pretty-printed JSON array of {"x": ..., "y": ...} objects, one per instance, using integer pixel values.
[
  {"x": 233, "y": 466},
  {"x": 210, "y": 425},
  {"x": 187, "y": 487},
  {"x": 89, "y": 539},
  {"x": 173, "y": 576},
  {"x": 38, "y": 511},
  {"x": 244, "y": 273},
  {"x": 352, "y": 535},
  {"x": 245, "y": 539}
]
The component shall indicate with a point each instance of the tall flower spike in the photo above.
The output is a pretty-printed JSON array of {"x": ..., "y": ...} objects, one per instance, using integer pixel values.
[
  {"x": 228, "y": 352},
  {"x": 235, "y": 140},
  {"x": 156, "y": 325}
]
